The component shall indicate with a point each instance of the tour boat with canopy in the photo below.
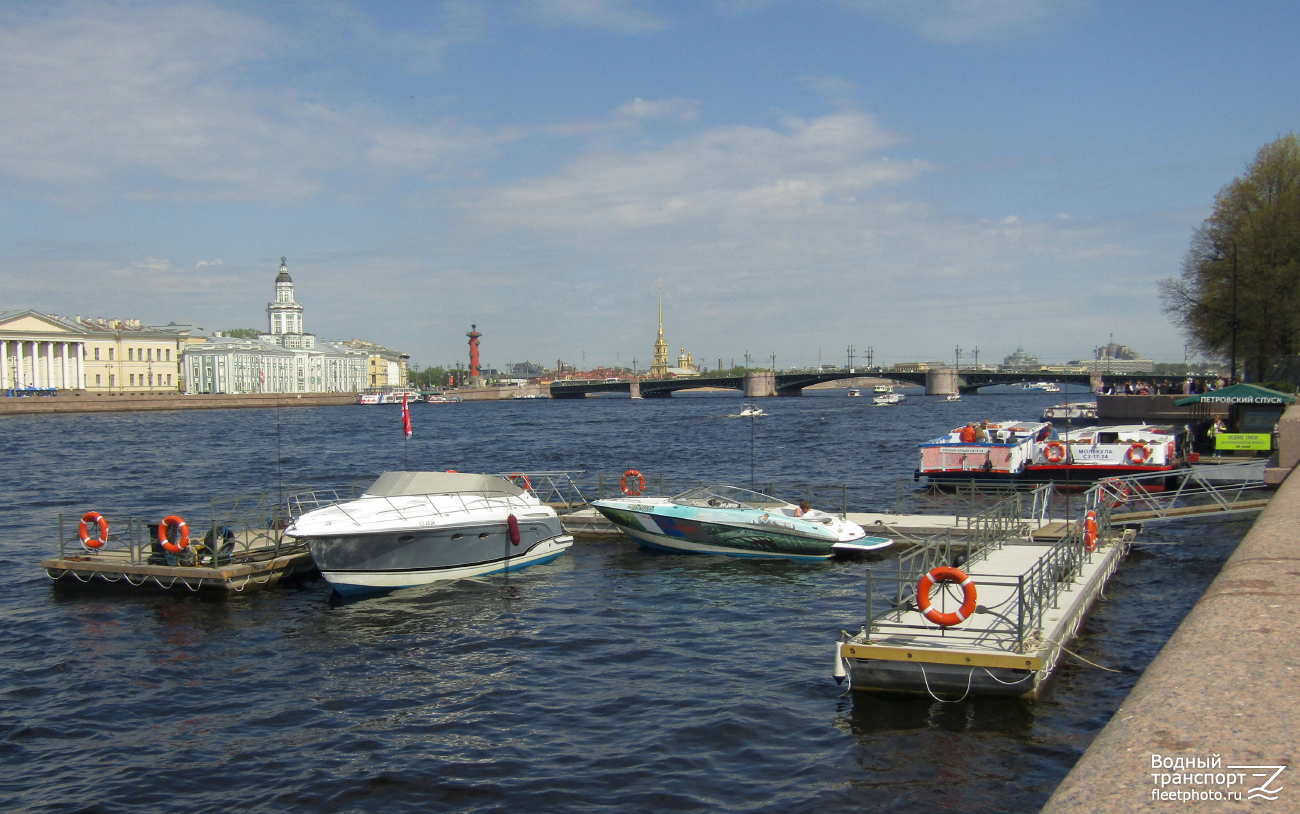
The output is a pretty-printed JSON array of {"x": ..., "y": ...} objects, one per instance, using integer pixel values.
[
  {"x": 1105, "y": 452},
  {"x": 988, "y": 451}
]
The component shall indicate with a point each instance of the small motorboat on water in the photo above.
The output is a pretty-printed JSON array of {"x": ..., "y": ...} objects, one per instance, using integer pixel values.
[
  {"x": 888, "y": 398},
  {"x": 1044, "y": 387},
  {"x": 737, "y": 522},
  {"x": 854, "y": 392},
  {"x": 952, "y": 397},
  {"x": 1075, "y": 412},
  {"x": 749, "y": 411},
  {"x": 414, "y": 528}
]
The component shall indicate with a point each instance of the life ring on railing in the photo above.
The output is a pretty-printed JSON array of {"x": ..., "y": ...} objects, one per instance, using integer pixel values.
[
  {"x": 1055, "y": 452},
  {"x": 1115, "y": 492},
  {"x": 945, "y": 573},
  {"x": 633, "y": 483},
  {"x": 1090, "y": 532},
  {"x": 83, "y": 530},
  {"x": 164, "y": 534},
  {"x": 1138, "y": 453},
  {"x": 515, "y": 478}
]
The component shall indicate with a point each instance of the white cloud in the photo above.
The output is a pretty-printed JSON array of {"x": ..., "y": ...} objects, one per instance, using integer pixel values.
[
  {"x": 970, "y": 20},
  {"x": 676, "y": 109},
  {"x": 203, "y": 263},
  {"x": 161, "y": 101},
  {"x": 619, "y": 16}
]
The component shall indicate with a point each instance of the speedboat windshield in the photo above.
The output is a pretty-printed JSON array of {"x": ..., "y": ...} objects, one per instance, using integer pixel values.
[{"x": 728, "y": 497}]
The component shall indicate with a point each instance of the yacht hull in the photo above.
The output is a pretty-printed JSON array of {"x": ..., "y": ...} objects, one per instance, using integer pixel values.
[
  {"x": 365, "y": 563},
  {"x": 699, "y": 536}
]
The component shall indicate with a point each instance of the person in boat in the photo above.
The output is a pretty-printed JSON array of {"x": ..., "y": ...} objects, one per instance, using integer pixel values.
[
  {"x": 967, "y": 435},
  {"x": 804, "y": 508},
  {"x": 982, "y": 432}
]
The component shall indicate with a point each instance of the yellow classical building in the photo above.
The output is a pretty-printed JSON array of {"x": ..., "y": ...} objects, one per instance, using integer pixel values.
[{"x": 46, "y": 351}]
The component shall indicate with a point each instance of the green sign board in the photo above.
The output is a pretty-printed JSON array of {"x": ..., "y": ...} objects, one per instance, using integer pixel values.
[{"x": 1228, "y": 441}]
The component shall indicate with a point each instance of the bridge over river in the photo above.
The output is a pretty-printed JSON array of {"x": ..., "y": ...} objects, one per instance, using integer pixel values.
[{"x": 763, "y": 383}]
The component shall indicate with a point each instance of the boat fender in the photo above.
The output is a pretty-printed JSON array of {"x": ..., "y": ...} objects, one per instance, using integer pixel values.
[
  {"x": 838, "y": 672},
  {"x": 512, "y": 527},
  {"x": 1054, "y": 452},
  {"x": 946, "y": 574},
  {"x": 633, "y": 483},
  {"x": 83, "y": 530},
  {"x": 1138, "y": 453},
  {"x": 1090, "y": 532},
  {"x": 164, "y": 534}
]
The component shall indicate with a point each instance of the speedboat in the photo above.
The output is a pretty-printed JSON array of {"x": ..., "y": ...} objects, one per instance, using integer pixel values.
[
  {"x": 737, "y": 522},
  {"x": 1003, "y": 451},
  {"x": 749, "y": 411},
  {"x": 853, "y": 391},
  {"x": 888, "y": 398},
  {"x": 1106, "y": 452},
  {"x": 413, "y": 528},
  {"x": 953, "y": 397},
  {"x": 1075, "y": 412}
]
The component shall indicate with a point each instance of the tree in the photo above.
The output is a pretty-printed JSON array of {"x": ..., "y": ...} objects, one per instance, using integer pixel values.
[
  {"x": 1238, "y": 296},
  {"x": 244, "y": 333}
]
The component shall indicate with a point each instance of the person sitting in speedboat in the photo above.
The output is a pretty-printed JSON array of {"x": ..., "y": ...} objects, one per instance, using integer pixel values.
[{"x": 804, "y": 508}]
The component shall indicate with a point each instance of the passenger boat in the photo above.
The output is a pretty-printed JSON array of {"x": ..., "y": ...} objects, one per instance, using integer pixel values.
[
  {"x": 1075, "y": 412},
  {"x": 414, "y": 528},
  {"x": 736, "y": 522},
  {"x": 1046, "y": 387},
  {"x": 883, "y": 388},
  {"x": 888, "y": 398},
  {"x": 854, "y": 392},
  {"x": 1003, "y": 453},
  {"x": 389, "y": 396},
  {"x": 438, "y": 398},
  {"x": 1104, "y": 452}
]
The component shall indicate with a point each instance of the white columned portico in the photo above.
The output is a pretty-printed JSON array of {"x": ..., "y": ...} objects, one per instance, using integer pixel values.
[
  {"x": 81, "y": 365},
  {"x": 4, "y": 364},
  {"x": 63, "y": 379},
  {"x": 18, "y": 357}
]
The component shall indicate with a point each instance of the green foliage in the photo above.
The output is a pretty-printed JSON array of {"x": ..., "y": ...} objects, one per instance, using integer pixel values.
[
  {"x": 243, "y": 333},
  {"x": 427, "y": 378},
  {"x": 1243, "y": 267},
  {"x": 1281, "y": 387}
]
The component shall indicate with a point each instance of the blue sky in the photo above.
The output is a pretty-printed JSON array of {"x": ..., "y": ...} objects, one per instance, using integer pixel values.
[{"x": 800, "y": 176}]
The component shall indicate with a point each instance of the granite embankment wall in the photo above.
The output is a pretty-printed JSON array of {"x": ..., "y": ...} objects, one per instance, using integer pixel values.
[
  {"x": 1223, "y": 688},
  {"x": 96, "y": 403}
]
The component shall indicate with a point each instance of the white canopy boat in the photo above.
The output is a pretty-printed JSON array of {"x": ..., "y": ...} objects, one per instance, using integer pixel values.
[
  {"x": 888, "y": 398},
  {"x": 1002, "y": 453},
  {"x": 413, "y": 528}
]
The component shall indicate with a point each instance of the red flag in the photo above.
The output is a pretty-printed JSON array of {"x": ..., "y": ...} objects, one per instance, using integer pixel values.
[{"x": 406, "y": 417}]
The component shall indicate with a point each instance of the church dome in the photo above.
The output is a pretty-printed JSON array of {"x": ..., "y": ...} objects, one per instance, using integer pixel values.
[{"x": 283, "y": 276}]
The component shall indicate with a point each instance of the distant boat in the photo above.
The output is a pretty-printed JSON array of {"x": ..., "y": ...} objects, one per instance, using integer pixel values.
[
  {"x": 883, "y": 388},
  {"x": 1045, "y": 387},
  {"x": 389, "y": 396},
  {"x": 1076, "y": 412},
  {"x": 953, "y": 397},
  {"x": 888, "y": 398},
  {"x": 750, "y": 411},
  {"x": 855, "y": 392}
]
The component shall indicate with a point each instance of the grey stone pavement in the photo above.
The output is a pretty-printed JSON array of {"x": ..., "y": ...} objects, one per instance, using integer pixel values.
[{"x": 1225, "y": 687}]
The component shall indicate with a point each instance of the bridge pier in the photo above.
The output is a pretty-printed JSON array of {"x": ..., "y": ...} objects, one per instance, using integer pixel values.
[
  {"x": 760, "y": 384},
  {"x": 941, "y": 381},
  {"x": 634, "y": 388},
  {"x": 1095, "y": 382}
]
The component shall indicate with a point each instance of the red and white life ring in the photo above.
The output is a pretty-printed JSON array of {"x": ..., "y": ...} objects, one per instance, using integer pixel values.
[
  {"x": 1055, "y": 452},
  {"x": 518, "y": 476},
  {"x": 633, "y": 483},
  {"x": 946, "y": 574},
  {"x": 83, "y": 530},
  {"x": 1138, "y": 453},
  {"x": 164, "y": 534},
  {"x": 1090, "y": 531},
  {"x": 1115, "y": 492}
]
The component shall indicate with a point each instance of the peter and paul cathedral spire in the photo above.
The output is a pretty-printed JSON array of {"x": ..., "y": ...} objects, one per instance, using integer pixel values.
[{"x": 660, "y": 367}]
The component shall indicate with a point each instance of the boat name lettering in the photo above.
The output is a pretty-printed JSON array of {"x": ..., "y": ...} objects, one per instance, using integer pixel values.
[{"x": 640, "y": 507}]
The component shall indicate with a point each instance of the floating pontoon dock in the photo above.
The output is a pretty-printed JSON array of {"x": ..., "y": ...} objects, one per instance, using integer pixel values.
[
  {"x": 240, "y": 545},
  {"x": 1035, "y": 582}
]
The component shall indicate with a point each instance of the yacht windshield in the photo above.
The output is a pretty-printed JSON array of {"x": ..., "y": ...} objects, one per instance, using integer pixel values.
[{"x": 729, "y": 497}]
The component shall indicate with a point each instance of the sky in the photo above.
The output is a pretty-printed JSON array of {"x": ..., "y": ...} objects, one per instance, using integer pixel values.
[{"x": 800, "y": 176}]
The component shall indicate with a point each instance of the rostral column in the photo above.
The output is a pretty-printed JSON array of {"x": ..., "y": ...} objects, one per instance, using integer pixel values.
[{"x": 475, "y": 377}]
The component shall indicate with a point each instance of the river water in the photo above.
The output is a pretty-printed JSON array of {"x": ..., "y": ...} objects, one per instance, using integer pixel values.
[{"x": 614, "y": 679}]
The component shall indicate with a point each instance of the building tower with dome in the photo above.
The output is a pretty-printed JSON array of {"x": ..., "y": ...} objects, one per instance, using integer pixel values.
[{"x": 659, "y": 369}]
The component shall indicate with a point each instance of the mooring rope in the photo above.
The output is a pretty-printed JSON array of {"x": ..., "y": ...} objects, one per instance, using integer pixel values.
[{"x": 926, "y": 679}]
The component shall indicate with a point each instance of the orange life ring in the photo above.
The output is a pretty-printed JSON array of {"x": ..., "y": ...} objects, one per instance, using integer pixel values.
[
  {"x": 1138, "y": 453},
  {"x": 164, "y": 533},
  {"x": 83, "y": 530},
  {"x": 528, "y": 485},
  {"x": 1115, "y": 492},
  {"x": 1090, "y": 531},
  {"x": 946, "y": 574},
  {"x": 1055, "y": 452},
  {"x": 633, "y": 483}
]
